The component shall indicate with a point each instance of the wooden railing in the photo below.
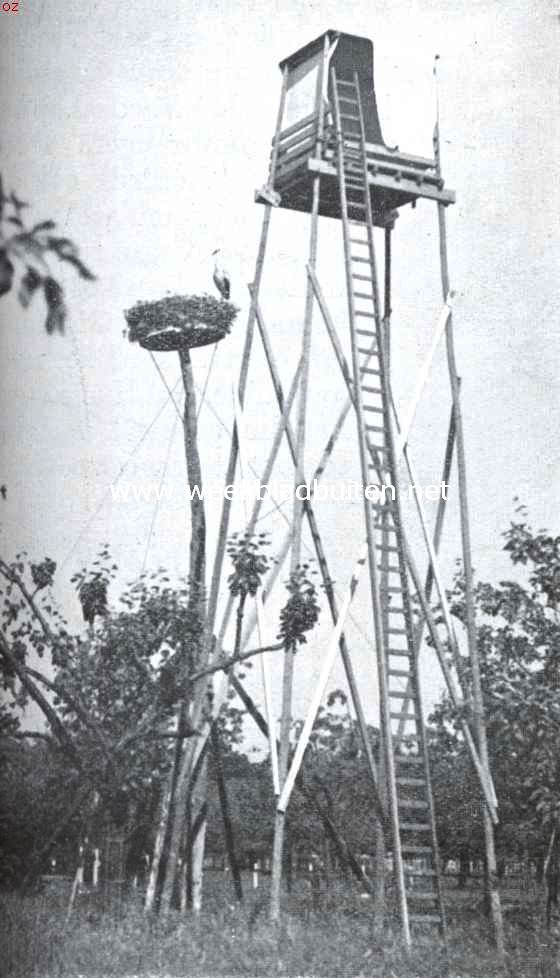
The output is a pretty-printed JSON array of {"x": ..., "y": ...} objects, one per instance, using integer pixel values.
[{"x": 295, "y": 144}]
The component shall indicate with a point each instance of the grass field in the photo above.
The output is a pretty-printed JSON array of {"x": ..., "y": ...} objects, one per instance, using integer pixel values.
[{"x": 38, "y": 941}]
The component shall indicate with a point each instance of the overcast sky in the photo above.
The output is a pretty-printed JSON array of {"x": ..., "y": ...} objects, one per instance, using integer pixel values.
[{"x": 143, "y": 130}]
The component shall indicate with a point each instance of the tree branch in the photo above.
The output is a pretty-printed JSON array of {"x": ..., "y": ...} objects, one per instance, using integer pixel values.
[
  {"x": 50, "y": 714},
  {"x": 14, "y": 578},
  {"x": 147, "y": 723},
  {"x": 226, "y": 664},
  {"x": 75, "y": 704}
]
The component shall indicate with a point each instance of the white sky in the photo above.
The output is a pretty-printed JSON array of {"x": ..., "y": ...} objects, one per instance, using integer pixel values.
[{"x": 144, "y": 131}]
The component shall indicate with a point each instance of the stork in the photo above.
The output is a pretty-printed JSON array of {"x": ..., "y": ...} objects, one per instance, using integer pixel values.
[{"x": 220, "y": 277}]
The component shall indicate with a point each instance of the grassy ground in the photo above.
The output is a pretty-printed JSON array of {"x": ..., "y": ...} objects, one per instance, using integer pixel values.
[{"x": 337, "y": 942}]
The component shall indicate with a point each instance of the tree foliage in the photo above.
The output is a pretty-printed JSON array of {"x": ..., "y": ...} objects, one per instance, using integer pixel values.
[
  {"x": 109, "y": 697},
  {"x": 29, "y": 250},
  {"x": 250, "y": 563},
  {"x": 518, "y": 631},
  {"x": 301, "y": 611}
]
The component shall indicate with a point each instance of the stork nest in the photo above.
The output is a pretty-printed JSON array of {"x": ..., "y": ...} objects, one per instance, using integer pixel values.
[{"x": 179, "y": 321}]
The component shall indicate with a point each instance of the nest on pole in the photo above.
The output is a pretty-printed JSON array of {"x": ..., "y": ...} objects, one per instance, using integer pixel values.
[{"x": 179, "y": 322}]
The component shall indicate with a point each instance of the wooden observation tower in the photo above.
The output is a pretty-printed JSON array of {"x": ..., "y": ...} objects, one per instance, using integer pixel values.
[{"x": 329, "y": 160}]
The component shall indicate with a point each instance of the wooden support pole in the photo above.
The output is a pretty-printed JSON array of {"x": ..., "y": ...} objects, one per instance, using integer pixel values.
[
  {"x": 196, "y": 609},
  {"x": 343, "y": 850},
  {"x": 200, "y": 692},
  {"x": 428, "y": 586},
  {"x": 324, "y": 570},
  {"x": 226, "y": 815},
  {"x": 196, "y": 836},
  {"x": 493, "y": 892},
  {"x": 282, "y": 553},
  {"x": 430, "y": 620},
  {"x": 297, "y": 522},
  {"x": 265, "y": 666},
  {"x": 380, "y": 841},
  {"x": 242, "y": 386},
  {"x": 264, "y": 480}
]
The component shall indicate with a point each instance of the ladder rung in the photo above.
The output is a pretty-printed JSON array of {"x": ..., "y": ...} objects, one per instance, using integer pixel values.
[
  {"x": 421, "y": 894},
  {"x": 358, "y": 241},
  {"x": 401, "y": 653},
  {"x": 363, "y": 295},
  {"x": 340, "y": 81},
  {"x": 393, "y": 590},
  {"x": 420, "y": 850},
  {"x": 411, "y": 782},
  {"x": 344, "y": 98},
  {"x": 365, "y": 261},
  {"x": 357, "y": 206},
  {"x": 367, "y": 332},
  {"x": 425, "y": 918},
  {"x": 375, "y": 427},
  {"x": 399, "y": 672},
  {"x": 415, "y": 827},
  {"x": 363, "y": 278},
  {"x": 409, "y": 759},
  {"x": 378, "y": 410},
  {"x": 400, "y": 694},
  {"x": 402, "y": 716},
  {"x": 420, "y": 872},
  {"x": 367, "y": 370},
  {"x": 412, "y": 803},
  {"x": 395, "y": 609},
  {"x": 367, "y": 350},
  {"x": 345, "y": 115},
  {"x": 395, "y": 631},
  {"x": 371, "y": 390},
  {"x": 366, "y": 315}
]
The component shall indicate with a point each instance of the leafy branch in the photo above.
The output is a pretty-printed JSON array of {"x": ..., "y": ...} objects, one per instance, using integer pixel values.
[
  {"x": 301, "y": 611},
  {"x": 31, "y": 248}
]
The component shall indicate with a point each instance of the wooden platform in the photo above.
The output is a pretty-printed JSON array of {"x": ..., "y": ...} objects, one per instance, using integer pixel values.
[{"x": 395, "y": 178}]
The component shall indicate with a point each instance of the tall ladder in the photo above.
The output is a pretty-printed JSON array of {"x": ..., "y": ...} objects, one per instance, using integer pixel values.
[{"x": 414, "y": 843}]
